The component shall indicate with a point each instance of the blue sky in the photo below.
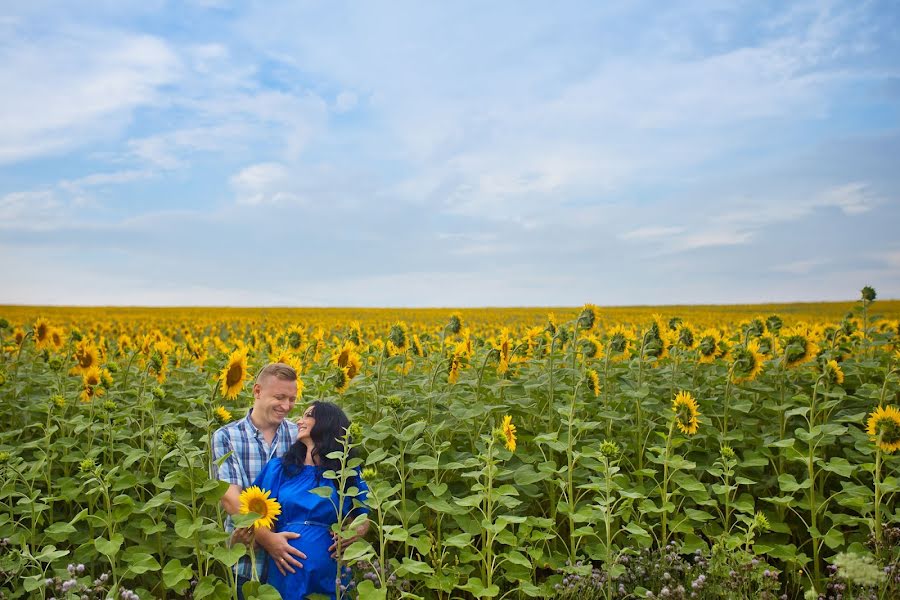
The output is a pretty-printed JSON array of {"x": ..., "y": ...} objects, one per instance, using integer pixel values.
[{"x": 448, "y": 154}]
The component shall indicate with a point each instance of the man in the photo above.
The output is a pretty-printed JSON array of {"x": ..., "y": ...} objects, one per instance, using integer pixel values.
[{"x": 252, "y": 441}]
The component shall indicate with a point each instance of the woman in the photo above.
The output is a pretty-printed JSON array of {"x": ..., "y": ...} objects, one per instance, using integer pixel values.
[{"x": 290, "y": 479}]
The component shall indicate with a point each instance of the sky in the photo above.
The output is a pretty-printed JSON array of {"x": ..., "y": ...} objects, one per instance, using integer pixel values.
[{"x": 448, "y": 153}]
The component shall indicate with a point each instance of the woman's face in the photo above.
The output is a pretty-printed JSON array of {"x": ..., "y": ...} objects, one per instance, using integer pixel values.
[{"x": 305, "y": 425}]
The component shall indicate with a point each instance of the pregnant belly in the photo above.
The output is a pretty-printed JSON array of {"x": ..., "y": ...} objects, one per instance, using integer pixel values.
[{"x": 318, "y": 567}]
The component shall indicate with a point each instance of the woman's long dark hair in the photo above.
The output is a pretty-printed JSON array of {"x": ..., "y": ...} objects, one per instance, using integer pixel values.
[{"x": 331, "y": 425}]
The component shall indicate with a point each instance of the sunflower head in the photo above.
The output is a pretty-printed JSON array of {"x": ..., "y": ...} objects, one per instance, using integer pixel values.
[
  {"x": 590, "y": 346},
  {"x": 341, "y": 379},
  {"x": 593, "y": 381},
  {"x": 867, "y": 294},
  {"x": 398, "y": 336},
  {"x": 748, "y": 362},
  {"x": 884, "y": 428},
  {"x": 833, "y": 373},
  {"x": 587, "y": 317},
  {"x": 686, "y": 412},
  {"x": 508, "y": 433},
  {"x": 222, "y": 415},
  {"x": 454, "y": 324},
  {"x": 774, "y": 324},
  {"x": 41, "y": 332},
  {"x": 798, "y": 347},
  {"x": 551, "y": 324},
  {"x": 234, "y": 374},
  {"x": 685, "y": 336},
  {"x": 255, "y": 500}
]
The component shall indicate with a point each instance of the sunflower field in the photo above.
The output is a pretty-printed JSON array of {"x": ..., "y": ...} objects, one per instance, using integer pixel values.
[{"x": 569, "y": 453}]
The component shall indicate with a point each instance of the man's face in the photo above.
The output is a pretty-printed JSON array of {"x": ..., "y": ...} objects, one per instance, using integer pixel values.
[{"x": 274, "y": 400}]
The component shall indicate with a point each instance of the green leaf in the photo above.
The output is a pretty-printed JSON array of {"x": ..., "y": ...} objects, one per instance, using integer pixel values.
[
  {"x": 324, "y": 491},
  {"x": 109, "y": 547},
  {"x": 475, "y": 587},
  {"x": 141, "y": 562},
  {"x": 368, "y": 591},
  {"x": 229, "y": 556},
  {"x": 176, "y": 575}
]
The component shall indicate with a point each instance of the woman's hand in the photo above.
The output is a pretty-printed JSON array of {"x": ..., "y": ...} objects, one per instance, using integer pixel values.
[
  {"x": 339, "y": 544},
  {"x": 277, "y": 546}
]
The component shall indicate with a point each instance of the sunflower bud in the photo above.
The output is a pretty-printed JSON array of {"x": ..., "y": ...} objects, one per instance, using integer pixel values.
[
  {"x": 397, "y": 336},
  {"x": 55, "y": 364},
  {"x": 169, "y": 437},
  {"x": 158, "y": 393},
  {"x": 58, "y": 401},
  {"x": 354, "y": 432},
  {"x": 4, "y": 324},
  {"x": 761, "y": 522},
  {"x": 393, "y": 401},
  {"x": 868, "y": 294},
  {"x": 76, "y": 336},
  {"x": 87, "y": 466},
  {"x": 4, "y": 457},
  {"x": 109, "y": 406},
  {"x": 609, "y": 449},
  {"x": 369, "y": 474},
  {"x": 727, "y": 452}
]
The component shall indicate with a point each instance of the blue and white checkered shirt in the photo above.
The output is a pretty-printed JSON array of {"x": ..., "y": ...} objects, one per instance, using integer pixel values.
[{"x": 250, "y": 453}]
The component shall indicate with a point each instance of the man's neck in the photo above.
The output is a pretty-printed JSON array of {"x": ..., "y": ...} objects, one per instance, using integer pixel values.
[{"x": 267, "y": 430}]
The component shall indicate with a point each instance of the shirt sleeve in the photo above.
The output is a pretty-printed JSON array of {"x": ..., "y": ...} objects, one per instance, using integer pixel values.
[{"x": 229, "y": 469}]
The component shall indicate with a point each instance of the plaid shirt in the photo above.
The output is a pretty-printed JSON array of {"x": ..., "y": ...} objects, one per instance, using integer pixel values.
[{"x": 249, "y": 454}]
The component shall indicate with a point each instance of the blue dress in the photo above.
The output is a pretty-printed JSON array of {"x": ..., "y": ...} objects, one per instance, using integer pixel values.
[{"x": 312, "y": 517}]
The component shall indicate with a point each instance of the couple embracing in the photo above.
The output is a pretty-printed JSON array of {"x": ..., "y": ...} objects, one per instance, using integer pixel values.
[{"x": 288, "y": 459}]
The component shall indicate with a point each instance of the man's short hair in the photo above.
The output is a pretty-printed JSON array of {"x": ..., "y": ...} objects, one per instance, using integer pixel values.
[{"x": 277, "y": 370}]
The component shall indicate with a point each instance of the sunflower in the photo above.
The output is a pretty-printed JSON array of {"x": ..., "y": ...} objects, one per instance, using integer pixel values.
[
  {"x": 346, "y": 356},
  {"x": 57, "y": 339},
  {"x": 286, "y": 357},
  {"x": 685, "y": 408},
  {"x": 255, "y": 500},
  {"x": 708, "y": 345},
  {"x": 355, "y": 333},
  {"x": 91, "y": 377},
  {"x": 593, "y": 382},
  {"x": 42, "y": 333},
  {"x": 619, "y": 340},
  {"x": 685, "y": 336},
  {"x": 590, "y": 346},
  {"x": 455, "y": 365},
  {"x": 551, "y": 324},
  {"x": 417, "y": 348},
  {"x": 341, "y": 379},
  {"x": 588, "y": 317},
  {"x": 833, "y": 373},
  {"x": 503, "y": 346},
  {"x": 19, "y": 335},
  {"x": 509, "y": 433},
  {"x": 398, "y": 338},
  {"x": 748, "y": 362},
  {"x": 222, "y": 415},
  {"x": 884, "y": 428},
  {"x": 234, "y": 374},
  {"x": 797, "y": 347},
  {"x": 86, "y": 355}
]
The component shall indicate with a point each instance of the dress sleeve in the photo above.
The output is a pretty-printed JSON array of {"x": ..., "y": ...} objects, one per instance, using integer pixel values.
[
  {"x": 269, "y": 478},
  {"x": 229, "y": 470}
]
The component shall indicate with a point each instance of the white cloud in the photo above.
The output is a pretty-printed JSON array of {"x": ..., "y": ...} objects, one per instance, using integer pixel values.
[
  {"x": 853, "y": 198},
  {"x": 651, "y": 233},
  {"x": 263, "y": 183},
  {"x": 76, "y": 86},
  {"x": 800, "y": 267},
  {"x": 345, "y": 101}
]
